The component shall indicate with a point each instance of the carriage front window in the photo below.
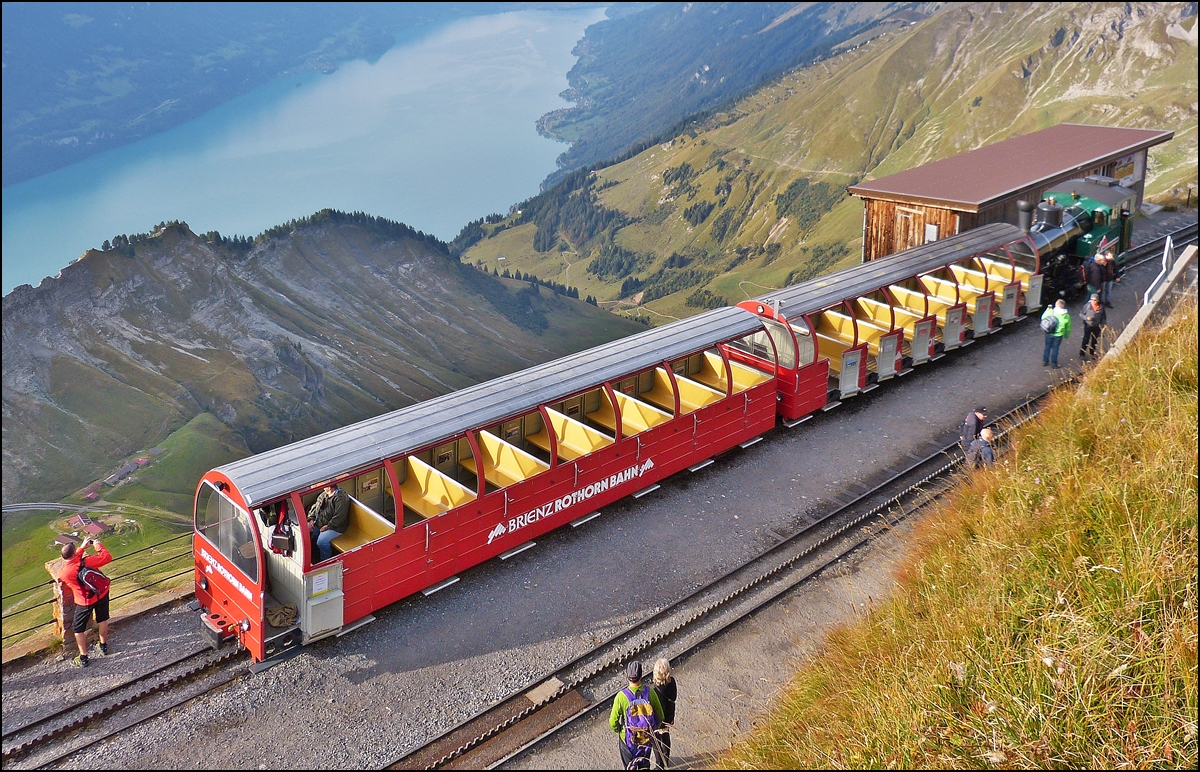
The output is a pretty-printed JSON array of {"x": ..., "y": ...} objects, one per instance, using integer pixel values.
[{"x": 227, "y": 527}]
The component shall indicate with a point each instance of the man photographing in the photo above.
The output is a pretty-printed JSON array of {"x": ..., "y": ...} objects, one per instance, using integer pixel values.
[{"x": 89, "y": 589}]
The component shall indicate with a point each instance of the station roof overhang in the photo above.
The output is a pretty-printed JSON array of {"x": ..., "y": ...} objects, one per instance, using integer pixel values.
[{"x": 980, "y": 178}]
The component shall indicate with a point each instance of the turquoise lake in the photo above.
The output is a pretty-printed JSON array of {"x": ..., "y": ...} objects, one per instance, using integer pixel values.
[{"x": 438, "y": 132}]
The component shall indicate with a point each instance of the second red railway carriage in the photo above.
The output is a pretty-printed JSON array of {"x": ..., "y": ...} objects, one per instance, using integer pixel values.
[{"x": 448, "y": 483}]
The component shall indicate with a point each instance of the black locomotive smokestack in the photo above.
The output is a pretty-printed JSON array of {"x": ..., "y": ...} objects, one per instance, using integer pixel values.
[
  {"x": 1050, "y": 213},
  {"x": 1024, "y": 215}
]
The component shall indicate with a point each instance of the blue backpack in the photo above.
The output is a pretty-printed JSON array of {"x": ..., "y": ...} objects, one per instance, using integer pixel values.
[{"x": 640, "y": 722}]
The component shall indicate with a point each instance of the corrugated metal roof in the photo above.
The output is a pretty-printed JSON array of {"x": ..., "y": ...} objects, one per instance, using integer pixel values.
[
  {"x": 970, "y": 181},
  {"x": 858, "y": 280},
  {"x": 264, "y": 476}
]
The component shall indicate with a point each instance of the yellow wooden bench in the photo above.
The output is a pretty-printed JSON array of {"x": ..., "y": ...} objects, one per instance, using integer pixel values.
[
  {"x": 945, "y": 291},
  {"x": 745, "y": 377},
  {"x": 575, "y": 439},
  {"x": 503, "y": 464},
  {"x": 365, "y": 526},
  {"x": 636, "y": 416},
  {"x": 979, "y": 280},
  {"x": 916, "y": 303},
  {"x": 712, "y": 372},
  {"x": 692, "y": 395},
  {"x": 428, "y": 492}
]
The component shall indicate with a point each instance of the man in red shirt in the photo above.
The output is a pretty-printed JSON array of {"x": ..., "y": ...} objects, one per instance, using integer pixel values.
[{"x": 85, "y": 600}]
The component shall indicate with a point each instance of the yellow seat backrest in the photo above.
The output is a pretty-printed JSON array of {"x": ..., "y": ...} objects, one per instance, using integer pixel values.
[
  {"x": 574, "y": 438},
  {"x": 694, "y": 395},
  {"x": 365, "y": 526},
  {"x": 662, "y": 394},
  {"x": 428, "y": 492},
  {"x": 909, "y": 299},
  {"x": 745, "y": 377},
  {"x": 880, "y": 314},
  {"x": 637, "y": 416},
  {"x": 712, "y": 372},
  {"x": 513, "y": 463},
  {"x": 941, "y": 288}
]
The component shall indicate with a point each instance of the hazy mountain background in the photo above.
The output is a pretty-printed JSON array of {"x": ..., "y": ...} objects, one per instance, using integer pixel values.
[
  {"x": 753, "y": 197},
  {"x": 226, "y": 347}
]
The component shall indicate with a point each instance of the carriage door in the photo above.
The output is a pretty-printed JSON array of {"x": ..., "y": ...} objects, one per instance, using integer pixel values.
[
  {"x": 1008, "y": 303},
  {"x": 922, "y": 335},
  {"x": 952, "y": 332},
  {"x": 323, "y": 601},
  {"x": 852, "y": 362}
]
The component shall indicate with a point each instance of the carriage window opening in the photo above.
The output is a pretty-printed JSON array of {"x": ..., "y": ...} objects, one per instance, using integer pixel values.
[
  {"x": 228, "y": 528},
  {"x": 806, "y": 354},
  {"x": 757, "y": 345},
  {"x": 783, "y": 344}
]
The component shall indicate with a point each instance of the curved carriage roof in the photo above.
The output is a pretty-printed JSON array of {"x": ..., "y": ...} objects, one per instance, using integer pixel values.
[
  {"x": 266, "y": 475},
  {"x": 858, "y": 280}
]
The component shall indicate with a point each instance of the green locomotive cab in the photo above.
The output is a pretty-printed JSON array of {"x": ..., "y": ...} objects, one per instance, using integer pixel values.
[{"x": 1102, "y": 209}]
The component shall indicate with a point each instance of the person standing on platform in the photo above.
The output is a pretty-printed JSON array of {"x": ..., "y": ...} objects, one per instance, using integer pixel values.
[
  {"x": 1093, "y": 274},
  {"x": 89, "y": 596},
  {"x": 1056, "y": 323},
  {"x": 664, "y": 687},
  {"x": 1094, "y": 318},
  {"x": 971, "y": 426},
  {"x": 636, "y": 714}
]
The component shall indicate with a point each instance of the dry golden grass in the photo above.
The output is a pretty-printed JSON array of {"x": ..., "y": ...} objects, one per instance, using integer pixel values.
[{"x": 1048, "y": 618}]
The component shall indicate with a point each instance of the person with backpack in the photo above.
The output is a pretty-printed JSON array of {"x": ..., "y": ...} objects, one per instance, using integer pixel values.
[
  {"x": 1056, "y": 323},
  {"x": 636, "y": 715},
  {"x": 89, "y": 589},
  {"x": 980, "y": 453}
]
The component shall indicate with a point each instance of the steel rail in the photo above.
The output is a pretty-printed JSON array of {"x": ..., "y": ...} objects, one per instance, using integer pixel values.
[{"x": 105, "y": 709}]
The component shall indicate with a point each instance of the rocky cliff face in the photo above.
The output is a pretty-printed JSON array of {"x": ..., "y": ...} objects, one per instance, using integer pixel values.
[{"x": 300, "y": 333}]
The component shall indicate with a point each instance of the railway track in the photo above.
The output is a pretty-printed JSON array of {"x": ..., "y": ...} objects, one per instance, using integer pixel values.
[
  {"x": 97, "y": 717},
  {"x": 525, "y": 718}
]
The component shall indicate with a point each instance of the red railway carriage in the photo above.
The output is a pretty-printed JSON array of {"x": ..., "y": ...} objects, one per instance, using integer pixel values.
[
  {"x": 445, "y": 484},
  {"x": 871, "y": 322}
]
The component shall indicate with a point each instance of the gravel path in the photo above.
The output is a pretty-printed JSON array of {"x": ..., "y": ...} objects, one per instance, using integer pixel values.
[{"x": 427, "y": 663}]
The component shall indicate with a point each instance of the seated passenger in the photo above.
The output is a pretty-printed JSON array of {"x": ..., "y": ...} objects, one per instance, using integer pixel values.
[{"x": 328, "y": 518}]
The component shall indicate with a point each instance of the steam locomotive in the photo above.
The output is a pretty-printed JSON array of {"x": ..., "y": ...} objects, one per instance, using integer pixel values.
[{"x": 1075, "y": 221}]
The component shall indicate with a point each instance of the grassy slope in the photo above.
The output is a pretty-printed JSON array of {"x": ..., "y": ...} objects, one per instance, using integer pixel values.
[
  {"x": 966, "y": 77},
  {"x": 1049, "y": 615}
]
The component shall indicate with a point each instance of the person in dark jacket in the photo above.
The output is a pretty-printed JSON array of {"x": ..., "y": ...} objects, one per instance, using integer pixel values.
[
  {"x": 971, "y": 426},
  {"x": 328, "y": 518},
  {"x": 981, "y": 452},
  {"x": 1093, "y": 273},
  {"x": 1111, "y": 274},
  {"x": 664, "y": 687},
  {"x": 85, "y": 604},
  {"x": 1094, "y": 318}
]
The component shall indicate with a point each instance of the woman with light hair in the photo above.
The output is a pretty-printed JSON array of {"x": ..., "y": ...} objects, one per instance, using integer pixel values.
[{"x": 664, "y": 687}]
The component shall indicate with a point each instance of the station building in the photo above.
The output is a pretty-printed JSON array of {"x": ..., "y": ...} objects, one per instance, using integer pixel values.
[{"x": 982, "y": 186}]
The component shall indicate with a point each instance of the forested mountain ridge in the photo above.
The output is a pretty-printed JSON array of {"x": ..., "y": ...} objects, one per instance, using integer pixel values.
[
  {"x": 640, "y": 74},
  {"x": 753, "y": 197},
  {"x": 307, "y": 328}
]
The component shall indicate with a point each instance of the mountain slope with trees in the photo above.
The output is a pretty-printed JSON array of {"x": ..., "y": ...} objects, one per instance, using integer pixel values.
[
  {"x": 753, "y": 196},
  {"x": 309, "y": 327}
]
